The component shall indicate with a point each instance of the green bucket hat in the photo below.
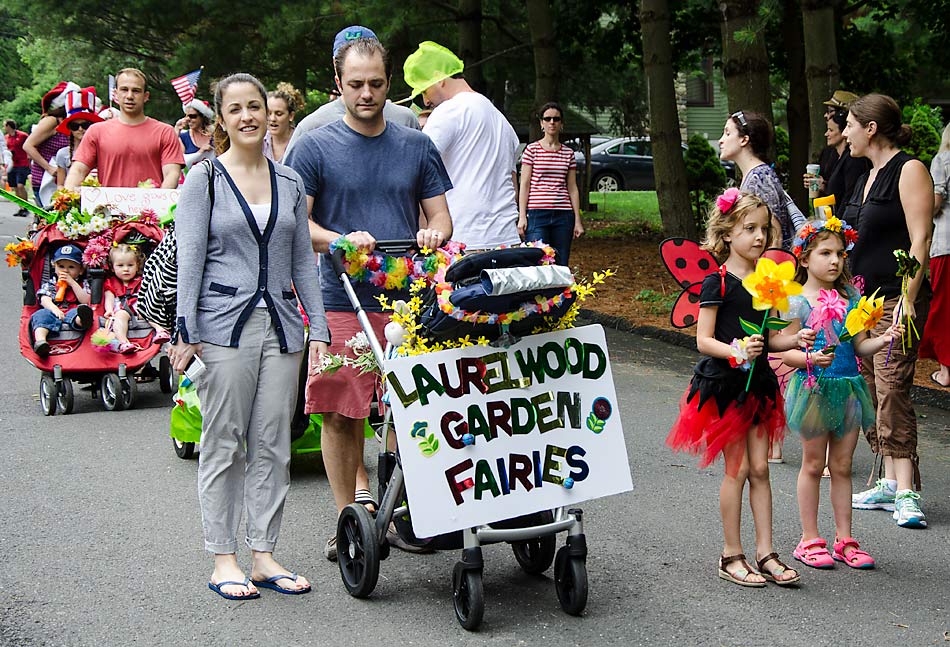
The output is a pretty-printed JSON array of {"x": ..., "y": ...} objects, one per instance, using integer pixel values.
[{"x": 428, "y": 65}]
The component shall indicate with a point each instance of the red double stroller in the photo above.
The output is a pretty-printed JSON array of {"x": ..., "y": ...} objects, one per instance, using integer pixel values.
[{"x": 73, "y": 357}]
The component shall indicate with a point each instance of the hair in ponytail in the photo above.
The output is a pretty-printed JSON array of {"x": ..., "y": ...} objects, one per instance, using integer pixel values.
[{"x": 221, "y": 140}]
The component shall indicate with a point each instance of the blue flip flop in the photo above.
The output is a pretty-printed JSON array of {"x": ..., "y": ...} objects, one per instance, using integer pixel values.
[
  {"x": 246, "y": 583},
  {"x": 271, "y": 583}
]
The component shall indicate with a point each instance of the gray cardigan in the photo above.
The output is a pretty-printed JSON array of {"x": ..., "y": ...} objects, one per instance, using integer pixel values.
[{"x": 226, "y": 264}]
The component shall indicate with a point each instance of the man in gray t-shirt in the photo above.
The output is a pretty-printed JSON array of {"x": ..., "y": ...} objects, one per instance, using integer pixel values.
[
  {"x": 365, "y": 180},
  {"x": 334, "y": 111}
]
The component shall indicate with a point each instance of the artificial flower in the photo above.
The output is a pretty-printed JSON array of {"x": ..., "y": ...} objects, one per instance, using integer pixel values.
[
  {"x": 865, "y": 316},
  {"x": 740, "y": 356},
  {"x": 771, "y": 284}
]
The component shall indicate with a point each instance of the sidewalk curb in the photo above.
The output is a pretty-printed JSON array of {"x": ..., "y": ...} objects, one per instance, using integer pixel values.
[{"x": 919, "y": 394}]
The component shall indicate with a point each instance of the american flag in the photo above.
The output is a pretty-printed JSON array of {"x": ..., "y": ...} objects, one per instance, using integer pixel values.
[{"x": 185, "y": 85}]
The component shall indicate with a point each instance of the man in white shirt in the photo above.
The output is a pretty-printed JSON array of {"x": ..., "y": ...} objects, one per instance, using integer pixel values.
[{"x": 478, "y": 146}]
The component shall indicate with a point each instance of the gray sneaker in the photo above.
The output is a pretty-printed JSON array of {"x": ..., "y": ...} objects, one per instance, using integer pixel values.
[
  {"x": 329, "y": 551},
  {"x": 907, "y": 512},
  {"x": 879, "y": 497}
]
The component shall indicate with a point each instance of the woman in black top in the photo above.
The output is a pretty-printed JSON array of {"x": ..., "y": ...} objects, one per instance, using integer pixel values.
[
  {"x": 840, "y": 171},
  {"x": 892, "y": 208}
]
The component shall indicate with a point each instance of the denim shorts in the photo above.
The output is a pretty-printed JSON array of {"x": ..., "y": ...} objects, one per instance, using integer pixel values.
[{"x": 44, "y": 318}]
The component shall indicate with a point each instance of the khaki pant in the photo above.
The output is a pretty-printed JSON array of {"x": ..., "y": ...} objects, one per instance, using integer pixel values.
[
  {"x": 247, "y": 399},
  {"x": 895, "y": 431}
]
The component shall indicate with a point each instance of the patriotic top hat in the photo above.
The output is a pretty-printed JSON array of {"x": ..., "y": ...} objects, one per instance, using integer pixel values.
[
  {"x": 80, "y": 105},
  {"x": 56, "y": 97}
]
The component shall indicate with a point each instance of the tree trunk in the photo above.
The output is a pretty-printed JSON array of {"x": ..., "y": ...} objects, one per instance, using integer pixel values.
[
  {"x": 544, "y": 43},
  {"x": 470, "y": 42},
  {"x": 745, "y": 62},
  {"x": 821, "y": 64},
  {"x": 797, "y": 105},
  {"x": 669, "y": 169}
]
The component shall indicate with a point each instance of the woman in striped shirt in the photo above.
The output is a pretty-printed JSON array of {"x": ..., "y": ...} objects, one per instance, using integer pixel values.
[{"x": 549, "y": 203}]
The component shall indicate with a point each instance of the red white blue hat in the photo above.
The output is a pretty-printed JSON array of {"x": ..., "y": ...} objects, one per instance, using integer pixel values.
[{"x": 80, "y": 105}]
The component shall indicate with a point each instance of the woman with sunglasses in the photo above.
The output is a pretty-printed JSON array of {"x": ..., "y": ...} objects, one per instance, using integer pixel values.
[
  {"x": 549, "y": 202},
  {"x": 80, "y": 114},
  {"x": 194, "y": 131}
]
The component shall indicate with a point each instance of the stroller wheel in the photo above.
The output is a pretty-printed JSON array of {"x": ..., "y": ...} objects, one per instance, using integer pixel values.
[
  {"x": 570, "y": 581},
  {"x": 537, "y": 554},
  {"x": 64, "y": 397},
  {"x": 468, "y": 596},
  {"x": 167, "y": 381},
  {"x": 113, "y": 393},
  {"x": 48, "y": 393},
  {"x": 357, "y": 550},
  {"x": 183, "y": 450}
]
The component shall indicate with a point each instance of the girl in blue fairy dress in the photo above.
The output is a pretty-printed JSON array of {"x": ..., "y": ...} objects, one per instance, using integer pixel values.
[{"x": 827, "y": 402}]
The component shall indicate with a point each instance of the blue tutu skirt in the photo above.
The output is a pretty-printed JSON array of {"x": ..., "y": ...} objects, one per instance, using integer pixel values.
[{"x": 836, "y": 406}]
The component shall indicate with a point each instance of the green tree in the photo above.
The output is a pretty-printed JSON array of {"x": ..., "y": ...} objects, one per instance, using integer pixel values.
[{"x": 925, "y": 139}]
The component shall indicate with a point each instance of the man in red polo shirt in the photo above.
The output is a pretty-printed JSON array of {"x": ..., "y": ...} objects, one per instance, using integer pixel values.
[
  {"x": 132, "y": 148},
  {"x": 20, "y": 168}
]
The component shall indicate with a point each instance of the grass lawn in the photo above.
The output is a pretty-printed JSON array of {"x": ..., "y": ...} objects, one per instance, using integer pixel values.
[{"x": 623, "y": 213}]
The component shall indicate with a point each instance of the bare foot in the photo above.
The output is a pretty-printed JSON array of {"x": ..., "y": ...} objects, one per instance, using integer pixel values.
[
  {"x": 229, "y": 572},
  {"x": 266, "y": 567}
]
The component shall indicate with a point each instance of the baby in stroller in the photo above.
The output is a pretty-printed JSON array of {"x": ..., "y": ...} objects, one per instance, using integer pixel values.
[
  {"x": 121, "y": 293},
  {"x": 64, "y": 300}
]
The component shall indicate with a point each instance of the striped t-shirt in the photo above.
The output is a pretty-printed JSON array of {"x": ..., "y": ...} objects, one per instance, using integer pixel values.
[{"x": 548, "y": 189}]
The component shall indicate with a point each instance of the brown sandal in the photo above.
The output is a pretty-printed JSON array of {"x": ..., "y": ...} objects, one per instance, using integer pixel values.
[
  {"x": 778, "y": 570},
  {"x": 740, "y": 577}
]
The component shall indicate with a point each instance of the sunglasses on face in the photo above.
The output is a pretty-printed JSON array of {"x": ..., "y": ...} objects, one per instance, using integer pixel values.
[
  {"x": 554, "y": 119},
  {"x": 193, "y": 116},
  {"x": 76, "y": 125}
]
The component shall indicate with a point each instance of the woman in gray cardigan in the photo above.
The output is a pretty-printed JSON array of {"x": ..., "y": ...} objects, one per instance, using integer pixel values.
[{"x": 243, "y": 250}]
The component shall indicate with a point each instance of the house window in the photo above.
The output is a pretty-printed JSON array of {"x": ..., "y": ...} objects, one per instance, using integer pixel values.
[{"x": 699, "y": 87}]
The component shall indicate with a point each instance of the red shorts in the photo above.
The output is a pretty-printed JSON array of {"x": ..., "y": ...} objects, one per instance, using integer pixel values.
[{"x": 346, "y": 391}]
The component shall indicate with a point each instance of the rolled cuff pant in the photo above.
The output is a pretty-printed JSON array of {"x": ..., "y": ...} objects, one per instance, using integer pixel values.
[{"x": 247, "y": 400}]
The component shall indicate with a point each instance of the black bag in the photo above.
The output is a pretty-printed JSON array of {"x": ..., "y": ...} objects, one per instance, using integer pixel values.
[{"x": 470, "y": 296}]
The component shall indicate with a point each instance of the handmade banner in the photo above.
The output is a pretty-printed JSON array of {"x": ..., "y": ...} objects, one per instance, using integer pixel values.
[
  {"x": 488, "y": 433},
  {"x": 128, "y": 200}
]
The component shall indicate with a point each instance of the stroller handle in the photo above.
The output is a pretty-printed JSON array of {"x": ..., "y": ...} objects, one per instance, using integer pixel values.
[{"x": 388, "y": 247}]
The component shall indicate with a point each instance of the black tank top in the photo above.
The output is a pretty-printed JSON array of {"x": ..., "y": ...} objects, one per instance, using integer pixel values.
[{"x": 881, "y": 226}]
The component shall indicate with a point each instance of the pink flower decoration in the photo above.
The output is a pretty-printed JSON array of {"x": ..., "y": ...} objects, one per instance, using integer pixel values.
[
  {"x": 727, "y": 200},
  {"x": 831, "y": 307}
]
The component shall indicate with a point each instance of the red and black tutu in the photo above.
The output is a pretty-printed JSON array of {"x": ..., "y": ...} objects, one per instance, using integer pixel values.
[{"x": 716, "y": 412}]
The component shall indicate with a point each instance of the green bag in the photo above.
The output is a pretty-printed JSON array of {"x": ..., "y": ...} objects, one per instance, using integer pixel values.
[{"x": 186, "y": 423}]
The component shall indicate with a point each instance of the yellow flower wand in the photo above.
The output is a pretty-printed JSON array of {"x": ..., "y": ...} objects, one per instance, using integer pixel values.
[{"x": 770, "y": 286}]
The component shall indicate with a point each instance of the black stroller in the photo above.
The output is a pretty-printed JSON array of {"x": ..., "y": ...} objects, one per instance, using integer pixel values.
[{"x": 361, "y": 537}]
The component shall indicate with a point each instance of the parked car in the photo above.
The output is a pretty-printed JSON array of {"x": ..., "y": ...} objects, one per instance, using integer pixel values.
[{"x": 625, "y": 164}]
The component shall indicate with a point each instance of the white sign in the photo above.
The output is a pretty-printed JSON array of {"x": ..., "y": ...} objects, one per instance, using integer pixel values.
[
  {"x": 541, "y": 416},
  {"x": 128, "y": 200}
]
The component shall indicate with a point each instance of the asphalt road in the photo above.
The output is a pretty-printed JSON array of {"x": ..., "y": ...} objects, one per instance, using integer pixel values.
[{"x": 101, "y": 541}]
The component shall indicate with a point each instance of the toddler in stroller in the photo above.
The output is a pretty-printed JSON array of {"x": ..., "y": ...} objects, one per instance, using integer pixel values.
[{"x": 63, "y": 299}]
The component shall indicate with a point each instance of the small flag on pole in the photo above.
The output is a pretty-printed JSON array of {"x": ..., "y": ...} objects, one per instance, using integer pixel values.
[
  {"x": 111, "y": 89},
  {"x": 185, "y": 85}
]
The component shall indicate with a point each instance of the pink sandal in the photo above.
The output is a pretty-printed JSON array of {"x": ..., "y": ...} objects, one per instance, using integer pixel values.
[
  {"x": 814, "y": 553},
  {"x": 857, "y": 558}
]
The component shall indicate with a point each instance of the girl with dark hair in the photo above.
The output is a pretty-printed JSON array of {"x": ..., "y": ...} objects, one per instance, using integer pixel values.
[
  {"x": 746, "y": 140},
  {"x": 549, "y": 202},
  {"x": 244, "y": 259},
  {"x": 893, "y": 206}
]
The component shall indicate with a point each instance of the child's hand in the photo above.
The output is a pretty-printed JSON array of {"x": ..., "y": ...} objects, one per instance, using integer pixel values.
[
  {"x": 823, "y": 360},
  {"x": 806, "y": 337},
  {"x": 58, "y": 312},
  {"x": 755, "y": 346}
]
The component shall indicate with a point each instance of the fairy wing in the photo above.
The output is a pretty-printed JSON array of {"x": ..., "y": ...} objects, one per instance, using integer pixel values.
[{"x": 689, "y": 264}]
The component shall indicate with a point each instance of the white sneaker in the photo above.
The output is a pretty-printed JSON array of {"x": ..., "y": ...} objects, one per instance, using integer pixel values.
[
  {"x": 879, "y": 497},
  {"x": 907, "y": 512}
]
